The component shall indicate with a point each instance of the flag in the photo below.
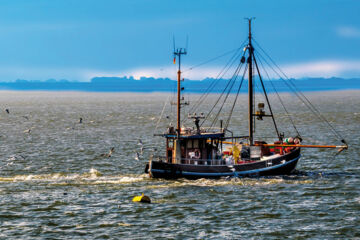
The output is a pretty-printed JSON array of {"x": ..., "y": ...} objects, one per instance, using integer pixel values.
[{"x": 174, "y": 60}]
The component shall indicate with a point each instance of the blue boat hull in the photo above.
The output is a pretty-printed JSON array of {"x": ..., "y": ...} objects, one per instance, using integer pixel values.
[{"x": 282, "y": 165}]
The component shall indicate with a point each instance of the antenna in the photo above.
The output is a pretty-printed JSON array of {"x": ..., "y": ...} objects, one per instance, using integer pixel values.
[
  {"x": 250, "y": 18},
  {"x": 174, "y": 44},
  {"x": 177, "y": 54}
]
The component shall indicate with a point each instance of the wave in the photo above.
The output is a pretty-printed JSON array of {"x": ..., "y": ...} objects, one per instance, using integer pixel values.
[
  {"x": 229, "y": 181},
  {"x": 91, "y": 177}
]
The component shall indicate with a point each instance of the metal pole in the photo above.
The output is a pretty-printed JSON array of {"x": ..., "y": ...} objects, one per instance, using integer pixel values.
[
  {"x": 178, "y": 98},
  {"x": 250, "y": 88}
]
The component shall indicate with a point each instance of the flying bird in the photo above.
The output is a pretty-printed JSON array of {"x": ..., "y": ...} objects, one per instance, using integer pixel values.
[
  {"x": 108, "y": 154},
  {"x": 137, "y": 157},
  {"x": 141, "y": 150},
  {"x": 27, "y": 131}
]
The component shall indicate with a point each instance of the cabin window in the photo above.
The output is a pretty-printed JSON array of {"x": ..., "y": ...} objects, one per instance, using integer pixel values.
[
  {"x": 196, "y": 143},
  {"x": 189, "y": 144},
  {"x": 170, "y": 143}
]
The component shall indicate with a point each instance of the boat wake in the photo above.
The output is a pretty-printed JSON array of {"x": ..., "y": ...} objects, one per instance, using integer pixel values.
[
  {"x": 92, "y": 177},
  {"x": 228, "y": 181}
]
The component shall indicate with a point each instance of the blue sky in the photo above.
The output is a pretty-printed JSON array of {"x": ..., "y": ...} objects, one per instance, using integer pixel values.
[{"x": 81, "y": 39}]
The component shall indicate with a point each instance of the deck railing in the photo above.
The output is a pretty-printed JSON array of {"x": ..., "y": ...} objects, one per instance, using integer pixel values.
[{"x": 193, "y": 161}]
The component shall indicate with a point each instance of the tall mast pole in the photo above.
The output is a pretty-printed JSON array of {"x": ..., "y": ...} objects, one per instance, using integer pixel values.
[
  {"x": 178, "y": 96},
  {"x": 251, "y": 91},
  {"x": 178, "y": 53}
]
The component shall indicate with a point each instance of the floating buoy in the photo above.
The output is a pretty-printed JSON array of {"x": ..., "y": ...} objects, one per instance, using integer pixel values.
[{"x": 142, "y": 198}]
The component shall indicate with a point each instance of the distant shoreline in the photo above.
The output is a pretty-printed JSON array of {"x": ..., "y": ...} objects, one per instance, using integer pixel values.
[
  {"x": 149, "y": 85},
  {"x": 156, "y": 93}
]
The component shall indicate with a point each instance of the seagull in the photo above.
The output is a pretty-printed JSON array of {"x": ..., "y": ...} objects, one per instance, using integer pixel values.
[
  {"x": 141, "y": 150},
  {"x": 140, "y": 142},
  {"x": 27, "y": 131},
  {"x": 17, "y": 157},
  {"x": 137, "y": 157},
  {"x": 26, "y": 117},
  {"x": 108, "y": 154}
]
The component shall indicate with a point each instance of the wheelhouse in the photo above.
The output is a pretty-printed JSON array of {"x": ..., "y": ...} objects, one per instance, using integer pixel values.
[{"x": 202, "y": 149}]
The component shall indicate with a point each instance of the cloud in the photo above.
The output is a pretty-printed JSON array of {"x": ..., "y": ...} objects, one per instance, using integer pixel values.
[
  {"x": 348, "y": 31},
  {"x": 158, "y": 72},
  {"x": 171, "y": 72},
  {"x": 320, "y": 68},
  {"x": 325, "y": 68}
]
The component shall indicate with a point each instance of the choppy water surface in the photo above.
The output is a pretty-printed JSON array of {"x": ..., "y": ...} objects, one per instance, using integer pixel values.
[{"x": 54, "y": 183}]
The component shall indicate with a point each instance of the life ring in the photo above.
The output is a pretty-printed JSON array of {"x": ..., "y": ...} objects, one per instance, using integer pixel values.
[{"x": 197, "y": 154}]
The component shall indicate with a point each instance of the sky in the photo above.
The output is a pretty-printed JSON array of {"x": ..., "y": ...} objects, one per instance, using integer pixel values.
[{"x": 81, "y": 39}]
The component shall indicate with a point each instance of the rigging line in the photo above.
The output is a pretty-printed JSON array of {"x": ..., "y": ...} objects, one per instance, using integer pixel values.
[
  {"x": 259, "y": 92},
  {"x": 282, "y": 103},
  {"x": 266, "y": 97},
  {"x": 232, "y": 80},
  {"x": 224, "y": 70},
  {"x": 296, "y": 88},
  {"x": 237, "y": 95},
  {"x": 215, "y": 58},
  {"x": 320, "y": 115},
  {"x": 235, "y": 75},
  {"x": 310, "y": 107},
  {"x": 226, "y": 97},
  {"x": 172, "y": 110},
  {"x": 217, "y": 101},
  {"x": 291, "y": 88},
  {"x": 162, "y": 112},
  {"x": 218, "y": 78},
  {"x": 220, "y": 75}
]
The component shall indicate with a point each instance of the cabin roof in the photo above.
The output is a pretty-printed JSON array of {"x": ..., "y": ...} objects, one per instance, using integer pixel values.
[{"x": 202, "y": 136}]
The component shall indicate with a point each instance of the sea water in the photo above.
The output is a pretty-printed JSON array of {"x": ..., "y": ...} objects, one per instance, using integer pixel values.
[{"x": 57, "y": 183}]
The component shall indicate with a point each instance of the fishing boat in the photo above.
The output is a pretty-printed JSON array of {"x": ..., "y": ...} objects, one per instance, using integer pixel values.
[{"x": 197, "y": 151}]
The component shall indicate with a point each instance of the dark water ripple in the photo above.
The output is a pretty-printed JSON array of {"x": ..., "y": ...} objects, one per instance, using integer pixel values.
[{"x": 54, "y": 183}]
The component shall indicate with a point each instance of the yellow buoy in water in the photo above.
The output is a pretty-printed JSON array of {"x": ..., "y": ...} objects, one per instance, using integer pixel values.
[{"x": 142, "y": 198}]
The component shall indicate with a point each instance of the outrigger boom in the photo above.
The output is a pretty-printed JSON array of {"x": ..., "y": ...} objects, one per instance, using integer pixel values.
[
  {"x": 295, "y": 145},
  {"x": 302, "y": 146}
]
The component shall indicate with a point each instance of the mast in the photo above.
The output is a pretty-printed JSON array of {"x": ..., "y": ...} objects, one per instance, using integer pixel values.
[
  {"x": 178, "y": 53},
  {"x": 251, "y": 91}
]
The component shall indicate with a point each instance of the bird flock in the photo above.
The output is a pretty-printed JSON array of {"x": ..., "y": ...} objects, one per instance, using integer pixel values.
[{"x": 138, "y": 153}]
